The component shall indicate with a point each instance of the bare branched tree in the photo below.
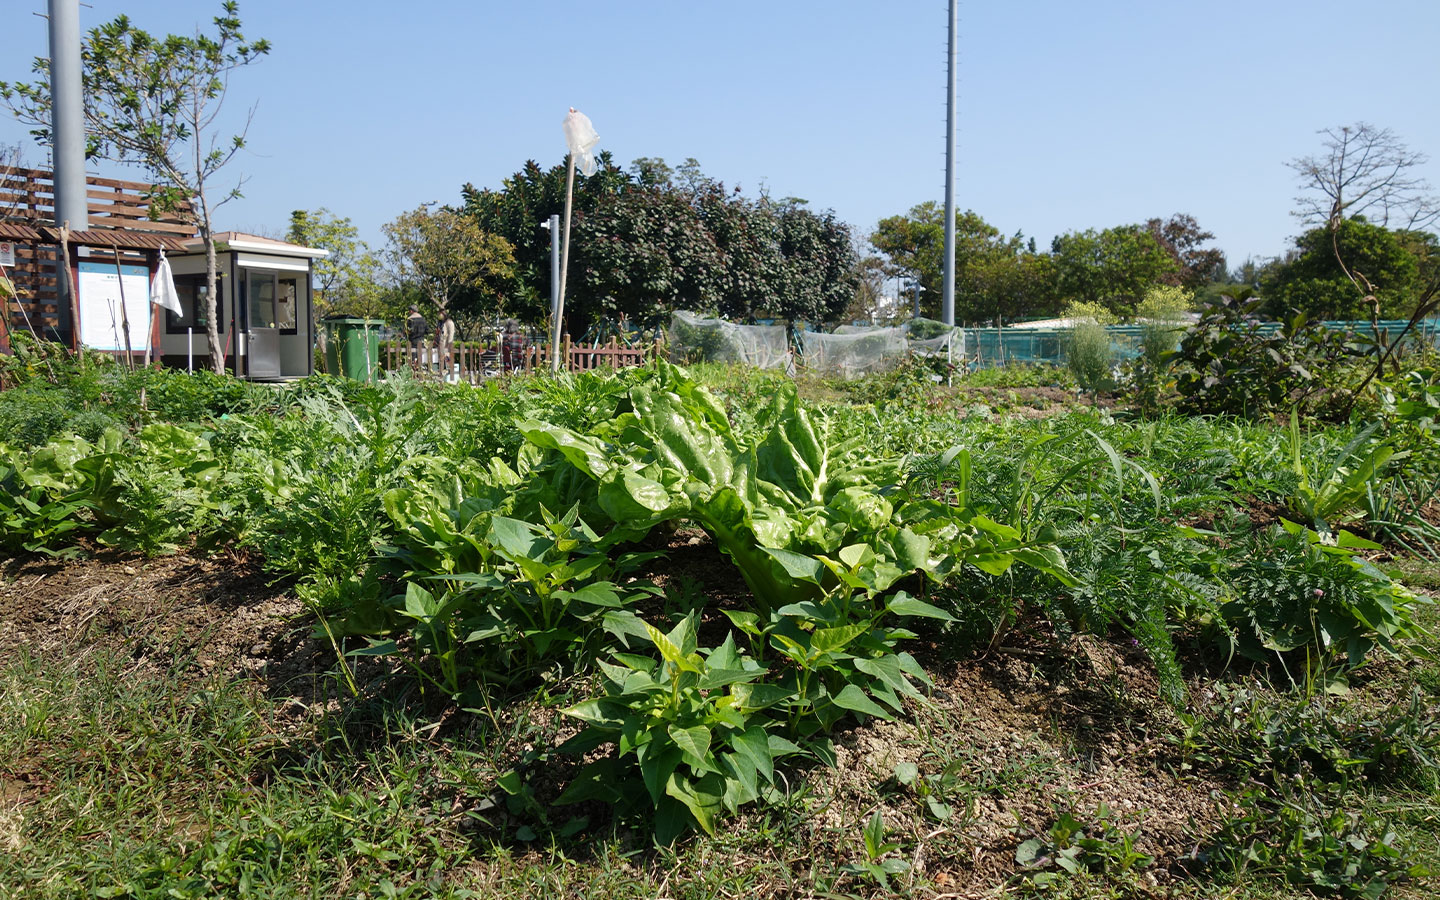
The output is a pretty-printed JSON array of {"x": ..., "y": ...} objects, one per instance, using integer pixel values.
[
  {"x": 1364, "y": 171},
  {"x": 1368, "y": 171}
]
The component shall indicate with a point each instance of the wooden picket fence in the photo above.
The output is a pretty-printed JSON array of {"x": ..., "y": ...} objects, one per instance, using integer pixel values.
[{"x": 472, "y": 363}]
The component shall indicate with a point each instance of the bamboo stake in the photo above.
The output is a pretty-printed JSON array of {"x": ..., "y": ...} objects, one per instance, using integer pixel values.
[
  {"x": 124, "y": 311},
  {"x": 564, "y": 269}
]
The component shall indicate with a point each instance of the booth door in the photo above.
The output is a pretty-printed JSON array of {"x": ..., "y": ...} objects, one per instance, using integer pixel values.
[{"x": 263, "y": 335}]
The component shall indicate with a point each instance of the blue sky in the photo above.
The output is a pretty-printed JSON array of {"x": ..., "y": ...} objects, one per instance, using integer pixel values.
[{"x": 1072, "y": 115}]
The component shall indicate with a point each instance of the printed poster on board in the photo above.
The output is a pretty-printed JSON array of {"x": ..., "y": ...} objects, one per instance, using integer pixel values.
[{"x": 102, "y": 318}]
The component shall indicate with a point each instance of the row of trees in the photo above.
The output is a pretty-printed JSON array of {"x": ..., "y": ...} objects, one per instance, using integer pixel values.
[
  {"x": 1366, "y": 251},
  {"x": 1005, "y": 278},
  {"x": 647, "y": 240},
  {"x": 651, "y": 238}
]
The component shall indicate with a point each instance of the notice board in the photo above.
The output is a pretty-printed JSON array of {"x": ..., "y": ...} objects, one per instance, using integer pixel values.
[{"x": 101, "y": 318}]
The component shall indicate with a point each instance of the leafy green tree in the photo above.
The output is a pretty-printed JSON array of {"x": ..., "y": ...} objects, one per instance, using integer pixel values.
[
  {"x": 459, "y": 267},
  {"x": 1425, "y": 247},
  {"x": 155, "y": 102},
  {"x": 1182, "y": 237},
  {"x": 1113, "y": 268},
  {"x": 1316, "y": 283},
  {"x": 515, "y": 212},
  {"x": 821, "y": 268},
  {"x": 995, "y": 275},
  {"x": 642, "y": 253},
  {"x": 348, "y": 280},
  {"x": 779, "y": 259},
  {"x": 660, "y": 238}
]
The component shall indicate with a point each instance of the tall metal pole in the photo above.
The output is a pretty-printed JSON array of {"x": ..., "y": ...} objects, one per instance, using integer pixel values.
[
  {"x": 67, "y": 116},
  {"x": 947, "y": 308}
]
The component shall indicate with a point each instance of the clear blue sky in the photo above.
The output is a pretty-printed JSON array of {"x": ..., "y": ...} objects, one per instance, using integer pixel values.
[{"x": 1072, "y": 115}]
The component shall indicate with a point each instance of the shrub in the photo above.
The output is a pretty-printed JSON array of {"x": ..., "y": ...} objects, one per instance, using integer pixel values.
[
  {"x": 193, "y": 397},
  {"x": 1235, "y": 366},
  {"x": 1088, "y": 347}
]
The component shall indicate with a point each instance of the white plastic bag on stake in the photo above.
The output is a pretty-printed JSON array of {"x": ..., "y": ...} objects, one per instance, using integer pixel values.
[{"x": 581, "y": 137}]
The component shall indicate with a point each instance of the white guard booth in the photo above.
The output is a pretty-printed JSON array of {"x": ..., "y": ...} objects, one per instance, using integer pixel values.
[{"x": 264, "y": 308}]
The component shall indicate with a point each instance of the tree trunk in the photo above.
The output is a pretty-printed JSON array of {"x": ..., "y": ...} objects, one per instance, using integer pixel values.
[{"x": 212, "y": 308}]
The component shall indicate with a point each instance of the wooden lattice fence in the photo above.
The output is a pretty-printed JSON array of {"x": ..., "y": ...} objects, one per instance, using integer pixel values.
[{"x": 121, "y": 213}]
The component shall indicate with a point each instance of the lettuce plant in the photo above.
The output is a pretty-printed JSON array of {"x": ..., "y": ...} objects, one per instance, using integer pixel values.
[{"x": 674, "y": 456}]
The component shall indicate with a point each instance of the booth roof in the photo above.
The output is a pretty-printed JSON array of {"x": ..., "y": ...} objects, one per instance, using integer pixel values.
[{"x": 254, "y": 243}]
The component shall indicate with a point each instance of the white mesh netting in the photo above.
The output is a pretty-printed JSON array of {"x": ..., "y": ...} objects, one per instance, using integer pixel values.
[
  {"x": 701, "y": 339},
  {"x": 855, "y": 353},
  {"x": 851, "y": 351}
]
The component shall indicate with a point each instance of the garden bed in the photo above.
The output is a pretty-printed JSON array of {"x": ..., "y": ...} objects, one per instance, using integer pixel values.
[{"x": 618, "y": 636}]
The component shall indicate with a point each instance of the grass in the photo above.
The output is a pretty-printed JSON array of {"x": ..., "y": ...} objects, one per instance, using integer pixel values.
[{"x": 120, "y": 782}]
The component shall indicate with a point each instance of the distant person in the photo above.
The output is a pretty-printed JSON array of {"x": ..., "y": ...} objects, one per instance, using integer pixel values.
[
  {"x": 447, "y": 344},
  {"x": 416, "y": 330},
  {"x": 512, "y": 347}
]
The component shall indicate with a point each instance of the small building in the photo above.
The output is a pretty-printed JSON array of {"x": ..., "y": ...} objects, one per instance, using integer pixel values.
[{"x": 264, "y": 309}]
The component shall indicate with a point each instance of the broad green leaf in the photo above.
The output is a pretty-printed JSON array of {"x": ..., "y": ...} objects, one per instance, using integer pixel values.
[
  {"x": 601, "y": 593},
  {"x": 864, "y": 509},
  {"x": 1354, "y": 542},
  {"x": 829, "y": 640},
  {"x": 759, "y": 696},
  {"x": 889, "y": 670},
  {"x": 702, "y": 804},
  {"x": 658, "y": 761},
  {"x": 668, "y": 650},
  {"x": 627, "y": 496},
  {"x": 991, "y": 563},
  {"x": 797, "y": 565},
  {"x": 518, "y": 539},
  {"x": 912, "y": 551},
  {"x": 856, "y": 555},
  {"x": 714, "y": 678},
  {"x": 694, "y": 743},
  {"x": 754, "y": 745},
  {"x": 902, "y": 604},
  {"x": 382, "y": 648},
  {"x": 582, "y": 452},
  {"x": 606, "y": 713},
  {"x": 1047, "y": 560},
  {"x": 419, "y": 603},
  {"x": 743, "y": 785},
  {"x": 1029, "y": 851},
  {"x": 853, "y": 698},
  {"x": 744, "y": 620},
  {"x": 724, "y": 656},
  {"x": 683, "y": 635},
  {"x": 624, "y": 624},
  {"x": 990, "y": 526}
]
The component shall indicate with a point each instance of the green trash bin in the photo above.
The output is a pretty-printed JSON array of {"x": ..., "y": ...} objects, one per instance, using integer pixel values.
[{"x": 352, "y": 347}]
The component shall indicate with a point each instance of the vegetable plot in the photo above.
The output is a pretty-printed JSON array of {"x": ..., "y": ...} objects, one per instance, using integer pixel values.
[{"x": 824, "y": 533}]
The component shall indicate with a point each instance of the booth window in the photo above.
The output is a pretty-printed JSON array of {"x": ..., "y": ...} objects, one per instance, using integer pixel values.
[
  {"x": 191, "y": 290},
  {"x": 287, "y": 315},
  {"x": 260, "y": 296}
]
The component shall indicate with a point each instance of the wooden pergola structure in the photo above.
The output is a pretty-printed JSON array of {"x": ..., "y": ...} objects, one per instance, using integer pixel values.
[{"x": 125, "y": 229}]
